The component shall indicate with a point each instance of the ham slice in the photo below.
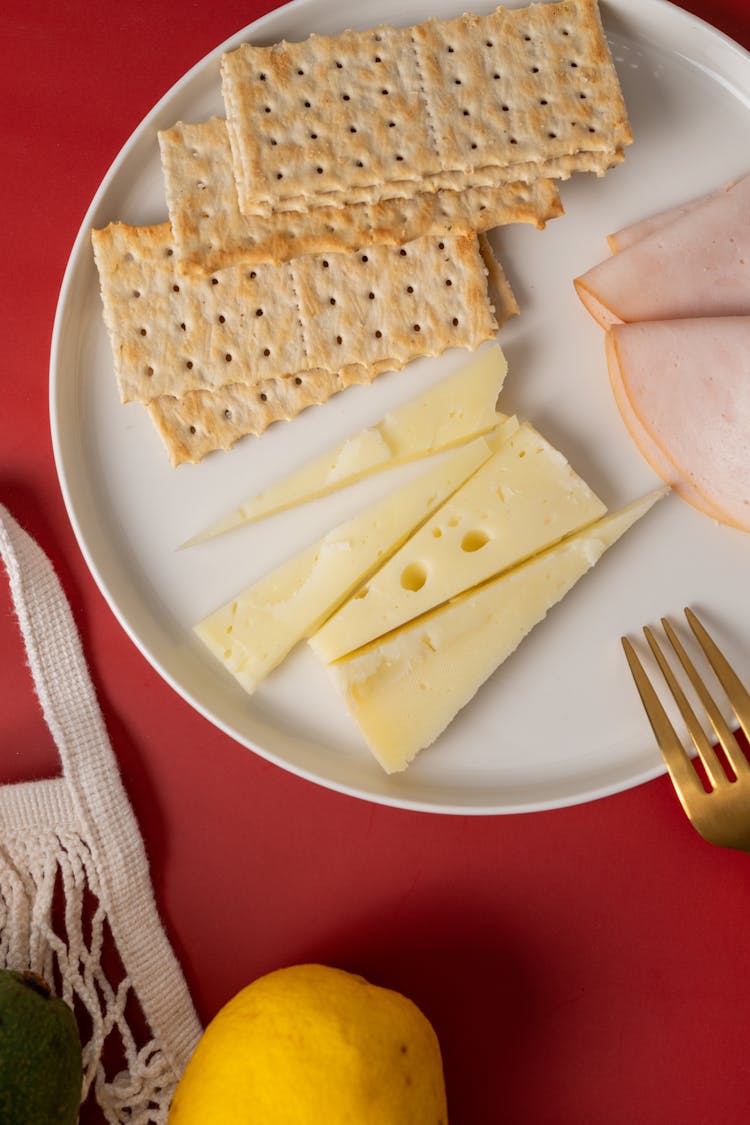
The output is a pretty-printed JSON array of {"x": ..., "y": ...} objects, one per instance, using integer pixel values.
[
  {"x": 696, "y": 265},
  {"x": 625, "y": 237},
  {"x": 683, "y": 389}
]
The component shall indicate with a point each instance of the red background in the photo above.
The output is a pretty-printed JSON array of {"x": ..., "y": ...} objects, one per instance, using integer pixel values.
[{"x": 580, "y": 966}]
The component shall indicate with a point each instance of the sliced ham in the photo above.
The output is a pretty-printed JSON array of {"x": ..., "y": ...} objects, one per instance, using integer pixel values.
[
  {"x": 683, "y": 388},
  {"x": 695, "y": 265},
  {"x": 625, "y": 237},
  {"x": 651, "y": 450}
]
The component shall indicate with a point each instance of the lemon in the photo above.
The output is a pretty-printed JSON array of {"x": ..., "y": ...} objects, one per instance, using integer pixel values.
[{"x": 312, "y": 1045}]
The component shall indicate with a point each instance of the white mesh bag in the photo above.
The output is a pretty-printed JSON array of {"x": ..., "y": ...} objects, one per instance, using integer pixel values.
[{"x": 76, "y": 902}]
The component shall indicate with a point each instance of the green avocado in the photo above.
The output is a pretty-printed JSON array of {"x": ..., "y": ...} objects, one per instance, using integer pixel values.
[{"x": 40, "y": 1054}]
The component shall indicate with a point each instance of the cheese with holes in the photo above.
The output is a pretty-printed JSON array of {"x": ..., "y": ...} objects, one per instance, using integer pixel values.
[
  {"x": 405, "y": 689},
  {"x": 457, "y": 409},
  {"x": 253, "y": 633},
  {"x": 523, "y": 499}
]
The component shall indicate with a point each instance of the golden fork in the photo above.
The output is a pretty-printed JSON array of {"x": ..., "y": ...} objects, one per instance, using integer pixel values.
[{"x": 720, "y": 808}]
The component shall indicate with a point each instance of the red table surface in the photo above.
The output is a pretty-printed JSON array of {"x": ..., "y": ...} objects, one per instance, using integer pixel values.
[{"x": 583, "y": 965}]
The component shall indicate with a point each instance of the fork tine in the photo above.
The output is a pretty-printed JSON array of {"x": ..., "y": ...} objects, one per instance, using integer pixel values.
[
  {"x": 705, "y": 750},
  {"x": 684, "y": 778},
  {"x": 737, "y": 694},
  {"x": 728, "y": 742}
]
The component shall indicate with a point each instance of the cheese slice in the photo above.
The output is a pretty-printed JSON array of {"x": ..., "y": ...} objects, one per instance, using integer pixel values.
[
  {"x": 404, "y": 690},
  {"x": 253, "y": 633},
  {"x": 456, "y": 410},
  {"x": 523, "y": 499}
]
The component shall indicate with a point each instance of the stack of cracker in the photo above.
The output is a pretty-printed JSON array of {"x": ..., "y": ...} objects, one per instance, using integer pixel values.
[{"x": 333, "y": 226}]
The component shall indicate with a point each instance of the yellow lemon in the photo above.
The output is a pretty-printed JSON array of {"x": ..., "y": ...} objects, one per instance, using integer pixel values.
[{"x": 312, "y": 1045}]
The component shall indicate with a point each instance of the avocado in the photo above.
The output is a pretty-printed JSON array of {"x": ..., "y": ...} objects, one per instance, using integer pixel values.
[{"x": 41, "y": 1068}]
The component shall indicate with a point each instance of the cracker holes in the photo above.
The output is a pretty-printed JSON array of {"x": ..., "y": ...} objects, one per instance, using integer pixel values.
[
  {"x": 189, "y": 364},
  {"x": 378, "y": 334},
  {"x": 214, "y": 281},
  {"x": 228, "y": 414},
  {"x": 144, "y": 332},
  {"x": 371, "y": 296},
  {"x": 259, "y": 312},
  {"x": 263, "y": 397},
  {"x": 149, "y": 372},
  {"x": 228, "y": 357},
  {"x": 297, "y": 381},
  {"x": 339, "y": 341},
  {"x": 193, "y": 430},
  {"x": 136, "y": 293},
  {"x": 266, "y": 352}
]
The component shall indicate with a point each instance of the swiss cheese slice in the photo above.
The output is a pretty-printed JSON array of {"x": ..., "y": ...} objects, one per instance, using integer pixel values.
[
  {"x": 405, "y": 689},
  {"x": 457, "y": 409},
  {"x": 523, "y": 499},
  {"x": 252, "y": 633}
]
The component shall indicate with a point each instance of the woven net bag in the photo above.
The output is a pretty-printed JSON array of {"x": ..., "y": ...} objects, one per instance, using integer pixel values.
[{"x": 76, "y": 902}]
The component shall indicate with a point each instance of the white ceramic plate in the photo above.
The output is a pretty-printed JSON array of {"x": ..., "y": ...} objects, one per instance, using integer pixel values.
[{"x": 560, "y": 722}]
